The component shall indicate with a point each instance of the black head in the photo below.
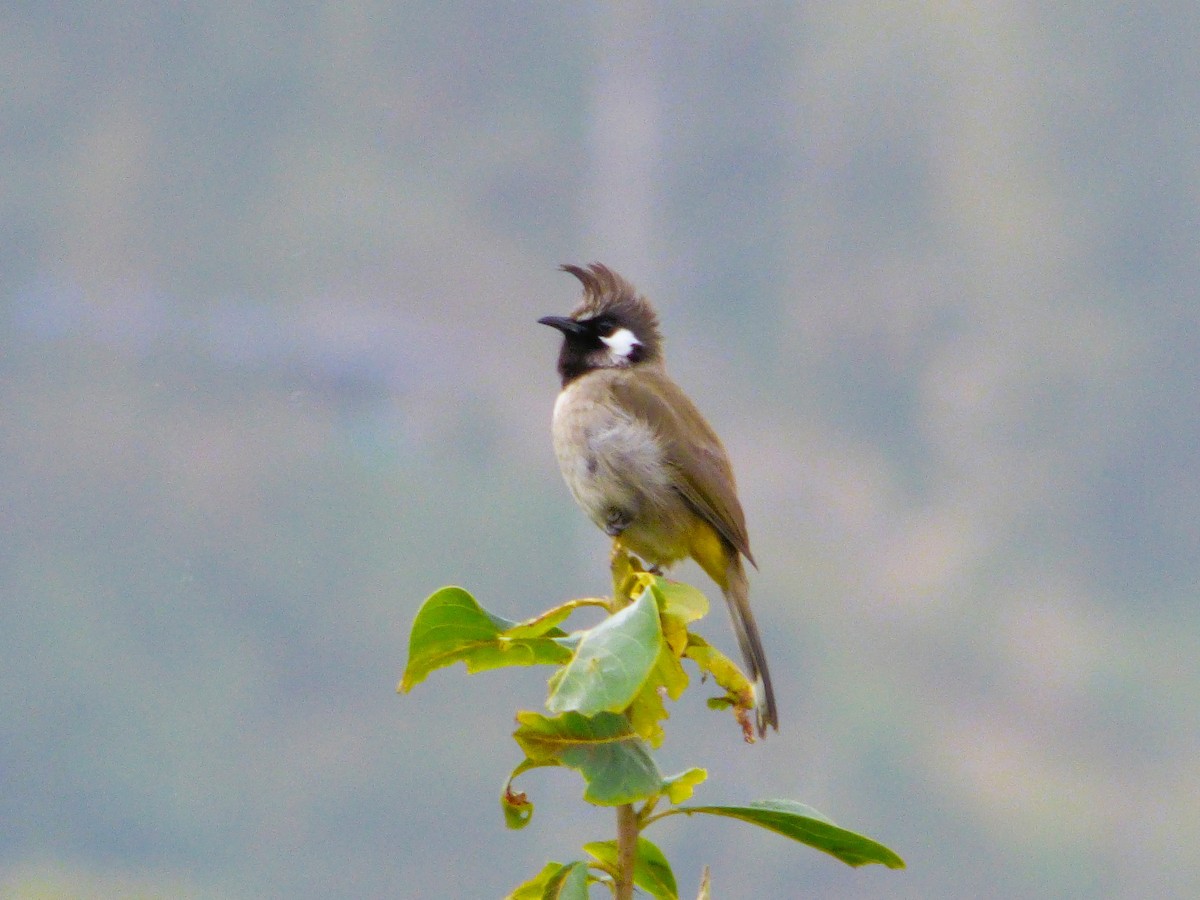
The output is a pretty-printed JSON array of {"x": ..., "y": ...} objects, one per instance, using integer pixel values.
[{"x": 614, "y": 326}]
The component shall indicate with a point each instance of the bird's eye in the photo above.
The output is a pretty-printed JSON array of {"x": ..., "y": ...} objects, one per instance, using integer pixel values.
[{"x": 604, "y": 326}]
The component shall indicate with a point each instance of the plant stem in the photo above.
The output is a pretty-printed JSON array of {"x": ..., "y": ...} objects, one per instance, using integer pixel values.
[
  {"x": 627, "y": 836},
  {"x": 627, "y": 818}
]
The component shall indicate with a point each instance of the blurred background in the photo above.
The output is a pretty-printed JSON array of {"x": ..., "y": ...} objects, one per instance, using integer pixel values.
[{"x": 270, "y": 374}]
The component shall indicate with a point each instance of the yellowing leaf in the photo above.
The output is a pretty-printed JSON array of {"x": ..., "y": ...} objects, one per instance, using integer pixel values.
[
  {"x": 680, "y": 787},
  {"x": 682, "y": 601}
]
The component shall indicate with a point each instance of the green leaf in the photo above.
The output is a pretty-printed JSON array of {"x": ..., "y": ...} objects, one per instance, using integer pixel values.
[
  {"x": 547, "y": 622},
  {"x": 452, "y": 627},
  {"x": 568, "y": 883},
  {"x": 806, "y": 825},
  {"x": 613, "y": 760},
  {"x": 611, "y": 663},
  {"x": 679, "y": 787},
  {"x": 652, "y": 873},
  {"x": 563, "y": 882},
  {"x": 535, "y": 888}
]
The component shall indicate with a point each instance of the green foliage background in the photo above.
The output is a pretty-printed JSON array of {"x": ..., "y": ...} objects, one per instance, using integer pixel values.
[{"x": 270, "y": 374}]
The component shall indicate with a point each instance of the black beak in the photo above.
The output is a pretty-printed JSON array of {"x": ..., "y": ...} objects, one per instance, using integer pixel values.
[{"x": 564, "y": 324}]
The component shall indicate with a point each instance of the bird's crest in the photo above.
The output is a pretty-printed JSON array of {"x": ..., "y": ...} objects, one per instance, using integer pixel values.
[{"x": 607, "y": 293}]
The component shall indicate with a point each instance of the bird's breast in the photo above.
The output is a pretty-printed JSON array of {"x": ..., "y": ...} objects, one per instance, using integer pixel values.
[
  {"x": 602, "y": 449},
  {"x": 614, "y": 462}
]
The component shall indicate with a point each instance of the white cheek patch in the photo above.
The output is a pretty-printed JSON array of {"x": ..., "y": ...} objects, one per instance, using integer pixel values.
[{"x": 621, "y": 342}]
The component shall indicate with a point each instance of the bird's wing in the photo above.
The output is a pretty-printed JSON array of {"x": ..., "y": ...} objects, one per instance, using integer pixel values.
[{"x": 692, "y": 447}]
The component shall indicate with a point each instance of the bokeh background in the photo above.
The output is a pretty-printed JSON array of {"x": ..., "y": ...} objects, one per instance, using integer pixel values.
[{"x": 270, "y": 374}]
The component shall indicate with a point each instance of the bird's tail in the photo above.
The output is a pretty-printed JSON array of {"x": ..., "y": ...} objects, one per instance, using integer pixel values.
[{"x": 737, "y": 597}]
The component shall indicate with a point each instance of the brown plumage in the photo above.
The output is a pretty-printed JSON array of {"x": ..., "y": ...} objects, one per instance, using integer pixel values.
[
  {"x": 606, "y": 292},
  {"x": 641, "y": 460}
]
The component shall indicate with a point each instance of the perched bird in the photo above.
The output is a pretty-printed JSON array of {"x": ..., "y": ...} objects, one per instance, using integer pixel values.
[{"x": 640, "y": 459}]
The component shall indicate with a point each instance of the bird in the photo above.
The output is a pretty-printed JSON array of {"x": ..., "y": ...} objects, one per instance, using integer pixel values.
[{"x": 640, "y": 459}]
